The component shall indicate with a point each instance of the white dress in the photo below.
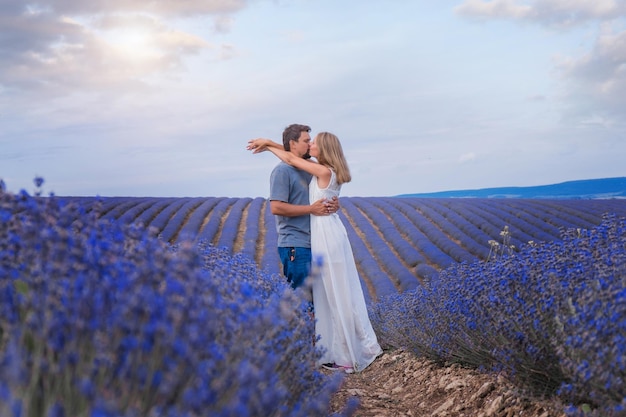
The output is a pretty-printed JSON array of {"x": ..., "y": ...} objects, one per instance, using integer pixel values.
[{"x": 342, "y": 323}]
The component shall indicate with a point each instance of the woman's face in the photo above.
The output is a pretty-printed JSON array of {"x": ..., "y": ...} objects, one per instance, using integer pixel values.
[{"x": 314, "y": 150}]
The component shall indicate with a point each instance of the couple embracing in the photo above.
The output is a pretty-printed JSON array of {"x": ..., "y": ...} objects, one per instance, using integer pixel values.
[{"x": 304, "y": 199}]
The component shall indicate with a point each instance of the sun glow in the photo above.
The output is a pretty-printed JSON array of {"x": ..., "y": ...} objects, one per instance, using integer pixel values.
[
  {"x": 131, "y": 38},
  {"x": 141, "y": 43},
  {"x": 135, "y": 43}
]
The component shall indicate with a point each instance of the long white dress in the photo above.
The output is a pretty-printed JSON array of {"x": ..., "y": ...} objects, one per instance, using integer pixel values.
[{"x": 342, "y": 323}]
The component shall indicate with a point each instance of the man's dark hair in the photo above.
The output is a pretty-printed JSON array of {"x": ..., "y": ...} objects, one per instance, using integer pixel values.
[{"x": 292, "y": 132}]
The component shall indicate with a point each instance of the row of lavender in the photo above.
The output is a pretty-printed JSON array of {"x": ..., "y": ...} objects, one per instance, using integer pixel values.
[
  {"x": 549, "y": 317},
  {"x": 397, "y": 242}
]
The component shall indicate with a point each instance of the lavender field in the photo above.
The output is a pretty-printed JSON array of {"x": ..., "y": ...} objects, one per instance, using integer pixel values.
[
  {"x": 397, "y": 242},
  {"x": 118, "y": 306}
]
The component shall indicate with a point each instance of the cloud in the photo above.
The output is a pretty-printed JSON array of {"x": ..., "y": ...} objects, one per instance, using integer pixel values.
[
  {"x": 598, "y": 78},
  {"x": 593, "y": 84},
  {"x": 467, "y": 157},
  {"x": 67, "y": 46},
  {"x": 493, "y": 9},
  {"x": 158, "y": 7},
  {"x": 546, "y": 12},
  {"x": 222, "y": 24}
]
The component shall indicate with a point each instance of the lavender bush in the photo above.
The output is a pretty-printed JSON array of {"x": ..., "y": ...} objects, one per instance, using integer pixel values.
[
  {"x": 592, "y": 322},
  {"x": 100, "y": 319},
  {"x": 552, "y": 317}
]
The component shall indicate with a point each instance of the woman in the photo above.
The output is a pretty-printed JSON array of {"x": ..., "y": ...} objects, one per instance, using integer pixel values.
[{"x": 346, "y": 334}]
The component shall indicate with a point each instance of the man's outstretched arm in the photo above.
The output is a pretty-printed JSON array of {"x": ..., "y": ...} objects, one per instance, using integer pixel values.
[{"x": 321, "y": 207}]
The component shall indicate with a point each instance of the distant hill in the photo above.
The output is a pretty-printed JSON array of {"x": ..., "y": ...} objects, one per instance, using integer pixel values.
[{"x": 582, "y": 189}]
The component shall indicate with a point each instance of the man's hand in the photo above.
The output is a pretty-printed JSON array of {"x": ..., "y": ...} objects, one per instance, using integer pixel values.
[{"x": 324, "y": 207}]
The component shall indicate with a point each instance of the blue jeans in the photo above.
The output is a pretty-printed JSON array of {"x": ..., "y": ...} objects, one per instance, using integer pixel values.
[{"x": 296, "y": 264}]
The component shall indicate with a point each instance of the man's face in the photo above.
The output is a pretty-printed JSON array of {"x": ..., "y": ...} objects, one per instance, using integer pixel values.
[{"x": 301, "y": 147}]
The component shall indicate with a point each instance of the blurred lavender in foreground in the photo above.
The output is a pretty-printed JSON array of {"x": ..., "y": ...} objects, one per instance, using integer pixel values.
[{"x": 101, "y": 319}]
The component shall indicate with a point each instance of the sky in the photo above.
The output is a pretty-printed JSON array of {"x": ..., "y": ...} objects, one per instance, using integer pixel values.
[{"x": 159, "y": 98}]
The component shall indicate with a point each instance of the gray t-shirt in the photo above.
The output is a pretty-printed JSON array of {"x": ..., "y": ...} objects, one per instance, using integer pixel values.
[{"x": 291, "y": 185}]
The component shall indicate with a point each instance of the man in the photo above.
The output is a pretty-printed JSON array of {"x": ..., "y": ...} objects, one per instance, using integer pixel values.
[{"x": 289, "y": 202}]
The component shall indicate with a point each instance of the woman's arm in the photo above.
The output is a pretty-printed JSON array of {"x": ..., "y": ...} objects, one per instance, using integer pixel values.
[
  {"x": 309, "y": 166},
  {"x": 322, "y": 207},
  {"x": 261, "y": 144},
  {"x": 313, "y": 168}
]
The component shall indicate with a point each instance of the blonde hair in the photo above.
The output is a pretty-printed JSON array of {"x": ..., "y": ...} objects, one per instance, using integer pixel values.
[{"x": 331, "y": 155}]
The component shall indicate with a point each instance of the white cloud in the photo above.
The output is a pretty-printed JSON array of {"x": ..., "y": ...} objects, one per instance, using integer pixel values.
[
  {"x": 470, "y": 156},
  {"x": 68, "y": 46},
  {"x": 596, "y": 80},
  {"x": 549, "y": 12},
  {"x": 159, "y": 7},
  {"x": 223, "y": 24},
  {"x": 593, "y": 83},
  {"x": 494, "y": 9}
]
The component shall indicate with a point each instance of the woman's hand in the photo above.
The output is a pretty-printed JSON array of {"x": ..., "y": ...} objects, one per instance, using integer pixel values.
[{"x": 259, "y": 145}]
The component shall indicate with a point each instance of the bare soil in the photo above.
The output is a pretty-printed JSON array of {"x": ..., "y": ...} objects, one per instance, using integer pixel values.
[{"x": 400, "y": 384}]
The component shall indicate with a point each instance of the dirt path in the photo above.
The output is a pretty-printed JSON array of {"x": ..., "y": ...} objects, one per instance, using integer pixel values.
[{"x": 400, "y": 384}]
